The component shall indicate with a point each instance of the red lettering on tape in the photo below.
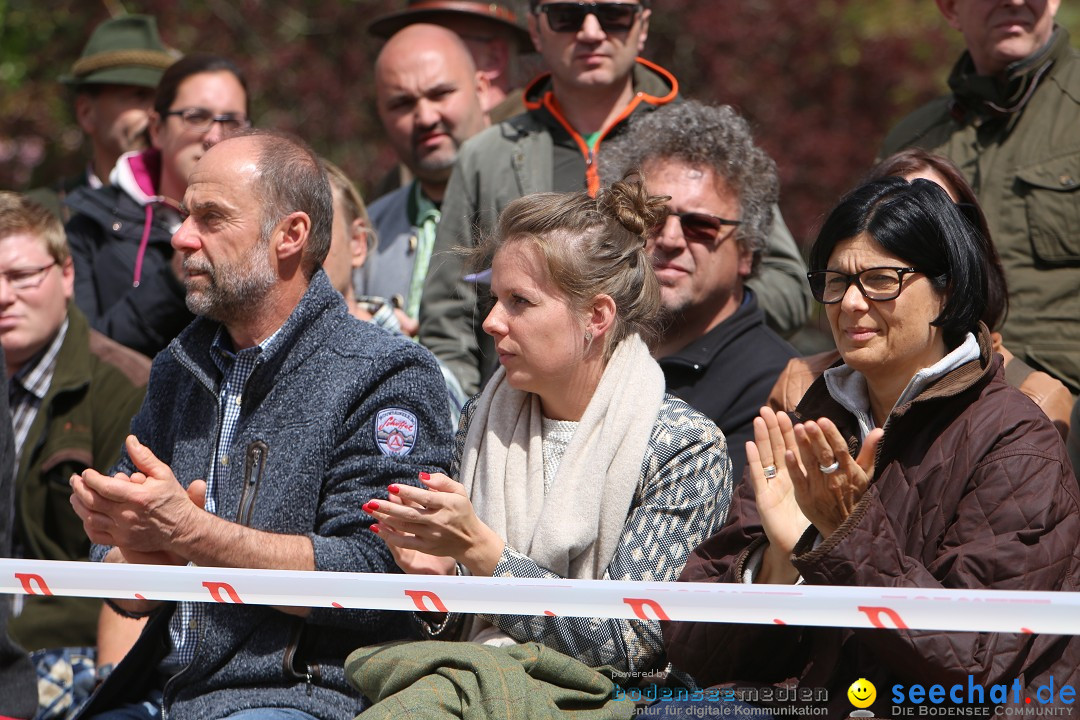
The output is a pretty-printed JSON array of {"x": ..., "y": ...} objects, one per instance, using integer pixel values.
[
  {"x": 638, "y": 605},
  {"x": 215, "y": 589},
  {"x": 418, "y": 597},
  {"x": 875, "y": 613},
  {"x": 27, "y": 580}
]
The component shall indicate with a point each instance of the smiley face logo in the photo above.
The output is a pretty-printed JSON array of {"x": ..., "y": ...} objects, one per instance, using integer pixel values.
[{"x": 862, "y": 693}]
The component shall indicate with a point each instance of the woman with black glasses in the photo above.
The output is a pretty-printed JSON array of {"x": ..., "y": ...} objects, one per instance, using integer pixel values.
[
  {"x": 910, "y": 463},
  {"x": 1046, "y": 391}
]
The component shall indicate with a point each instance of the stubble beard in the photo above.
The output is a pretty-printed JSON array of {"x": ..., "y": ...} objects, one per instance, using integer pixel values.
[{"x": 231, "y": 292}]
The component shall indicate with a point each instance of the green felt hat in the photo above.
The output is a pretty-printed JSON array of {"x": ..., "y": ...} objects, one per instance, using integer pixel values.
[{"x": 126, "y": 50}]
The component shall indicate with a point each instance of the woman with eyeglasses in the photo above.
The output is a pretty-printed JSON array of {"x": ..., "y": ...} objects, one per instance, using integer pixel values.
[
  {"x": 911, "y": 463},
  {"x": 128, "y": 281},
  {"x": 1046, "y": 391},
  {"x": 573, "y": 462}
]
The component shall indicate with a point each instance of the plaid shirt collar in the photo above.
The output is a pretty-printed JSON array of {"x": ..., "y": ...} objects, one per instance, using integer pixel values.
[
  {"x": 36, "y": 375},
  {"x": 221, "y": 349}
]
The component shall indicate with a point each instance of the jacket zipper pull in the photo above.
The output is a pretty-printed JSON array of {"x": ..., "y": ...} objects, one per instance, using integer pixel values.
[{"x": 307, "y": 679}]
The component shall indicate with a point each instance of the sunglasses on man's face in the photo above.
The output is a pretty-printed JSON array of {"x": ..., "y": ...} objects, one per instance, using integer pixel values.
[
  {"x": 699, "y": 227},
  {"x": 570, "y": 16}
]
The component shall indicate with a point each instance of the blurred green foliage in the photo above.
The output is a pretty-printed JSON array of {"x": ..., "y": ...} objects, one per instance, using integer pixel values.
[{"x": 821, "y": 80}]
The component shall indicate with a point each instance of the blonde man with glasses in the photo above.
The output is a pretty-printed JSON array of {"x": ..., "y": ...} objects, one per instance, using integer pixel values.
[
  {"x": 125, "y": 275},
  {"x": 73, "y": 393}
]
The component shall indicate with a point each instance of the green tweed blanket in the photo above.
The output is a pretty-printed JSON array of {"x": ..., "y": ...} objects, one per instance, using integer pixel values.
[{"x": 429, "y": 680}]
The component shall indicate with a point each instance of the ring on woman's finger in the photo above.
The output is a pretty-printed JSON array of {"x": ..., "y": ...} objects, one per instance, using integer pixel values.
[
  {"x": 770, "y": 471},
  {"x": 829, "y": 469}
]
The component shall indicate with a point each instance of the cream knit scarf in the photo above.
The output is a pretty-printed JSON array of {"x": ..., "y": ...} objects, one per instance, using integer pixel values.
[{"x": 574, "y": 529}]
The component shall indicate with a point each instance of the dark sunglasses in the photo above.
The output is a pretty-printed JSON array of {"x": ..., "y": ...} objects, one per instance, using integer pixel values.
[
  {"x": 698, "y": 227},
  {"x": 570, "y": 16}
]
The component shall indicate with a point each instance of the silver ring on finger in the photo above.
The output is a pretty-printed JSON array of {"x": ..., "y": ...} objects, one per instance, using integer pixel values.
[
  {"x": 770, "y": 471},
  {"x": 829, "y": 469}
]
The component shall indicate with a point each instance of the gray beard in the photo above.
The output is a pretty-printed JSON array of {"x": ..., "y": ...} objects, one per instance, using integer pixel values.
[{"x": 232, "y": 293}]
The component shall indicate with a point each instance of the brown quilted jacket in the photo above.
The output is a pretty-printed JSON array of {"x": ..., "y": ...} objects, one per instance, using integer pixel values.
[{"x": 972, "y": 490}]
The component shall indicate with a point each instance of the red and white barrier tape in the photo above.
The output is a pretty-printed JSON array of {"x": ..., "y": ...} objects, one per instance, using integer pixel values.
[{"x": 855, "y": 607}]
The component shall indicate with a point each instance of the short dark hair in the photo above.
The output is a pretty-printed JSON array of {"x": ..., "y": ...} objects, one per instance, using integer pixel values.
[
  {"x": 916, "y": 160},
  {"x": 292, "y": 178},
  {"x": 920, "y": 224},
  {"x": 195, "y": 64}
]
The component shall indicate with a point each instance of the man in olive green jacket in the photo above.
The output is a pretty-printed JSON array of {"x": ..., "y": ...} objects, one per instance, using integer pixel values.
[
  {"x": 1012, "y": 124},
  {"x": 73, "y": 394}
]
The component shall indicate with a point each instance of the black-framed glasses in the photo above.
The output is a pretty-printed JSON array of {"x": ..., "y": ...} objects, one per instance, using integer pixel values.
[
  {"x": 26, "y": 278},
  {"x": 570, "y": 16},
  {"x": 877, "y": 283},
  {"x": 699, "y": 227},
  {"x": 200, "y": 120}
]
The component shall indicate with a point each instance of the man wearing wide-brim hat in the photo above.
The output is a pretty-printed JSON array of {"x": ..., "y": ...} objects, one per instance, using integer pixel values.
[
  {"x": 490, "y": 30},
  {"x": 114, "y": 81}
]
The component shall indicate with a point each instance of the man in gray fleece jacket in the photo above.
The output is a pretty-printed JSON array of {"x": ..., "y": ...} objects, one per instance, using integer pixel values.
[{"x": 267, "y": 424}]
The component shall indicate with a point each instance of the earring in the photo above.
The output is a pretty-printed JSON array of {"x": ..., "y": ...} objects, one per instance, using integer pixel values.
[{"x": 588, "y": 337}]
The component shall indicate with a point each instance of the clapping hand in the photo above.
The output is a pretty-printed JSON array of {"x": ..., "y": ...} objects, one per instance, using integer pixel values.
[
  {"x": 829, "y": 482},
  {"x": 801, "y": 475},
  {"x": 771, "y": 473},
  {"x": 437, "y": 520}
]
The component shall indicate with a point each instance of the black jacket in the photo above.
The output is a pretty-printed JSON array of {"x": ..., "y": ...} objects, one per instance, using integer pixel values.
[
  {"x": 727, "y": 374},
  {"x": 104, "y": 234}
]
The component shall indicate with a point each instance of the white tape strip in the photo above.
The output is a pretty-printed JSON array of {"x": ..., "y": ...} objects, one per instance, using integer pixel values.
[{"x": 917, "y": 609}]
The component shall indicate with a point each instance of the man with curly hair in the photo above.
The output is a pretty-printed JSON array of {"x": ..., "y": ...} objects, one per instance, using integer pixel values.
[{"x": 716, "y": 352}]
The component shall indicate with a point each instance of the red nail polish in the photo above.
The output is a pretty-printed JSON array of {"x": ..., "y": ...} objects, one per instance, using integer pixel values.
[
  {"x": 425, "y": 476},
  {"x": 372, "y": 506},
  {"x": 374, "y": 529},
  {"x": 394, "y": 489}
]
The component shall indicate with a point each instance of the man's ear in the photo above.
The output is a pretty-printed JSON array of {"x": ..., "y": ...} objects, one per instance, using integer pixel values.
[
  {"x": 358, "y": 242},
  {"x": 67, "y": 277},
  {"x": 291, "y": 236},
  {"x": 948, "y": 9},
  {"x": 645, "y": 15},
  {"x": 746, "y": 264},
  {"x": 84, "y": 112},
  {"x": 483, "y": 85},
  {"x": 534, "y": 31}
]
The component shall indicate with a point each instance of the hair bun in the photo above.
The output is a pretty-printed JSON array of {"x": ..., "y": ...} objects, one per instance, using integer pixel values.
[{"x": 628, "y": 201}]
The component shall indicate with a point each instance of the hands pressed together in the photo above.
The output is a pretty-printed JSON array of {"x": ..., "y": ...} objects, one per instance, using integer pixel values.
[
  {"x": 143, "y": 515},
  {"x": 802, "y": 475},
  {"x": 430, "y": 529}
]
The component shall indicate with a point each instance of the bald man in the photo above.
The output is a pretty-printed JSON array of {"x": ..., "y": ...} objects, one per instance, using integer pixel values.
[{"x": 429, "y": 94}]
